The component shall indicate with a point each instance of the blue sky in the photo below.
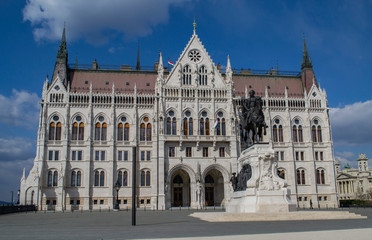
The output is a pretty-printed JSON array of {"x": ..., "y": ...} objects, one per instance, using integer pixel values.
[{"x": 256, "y": 35}]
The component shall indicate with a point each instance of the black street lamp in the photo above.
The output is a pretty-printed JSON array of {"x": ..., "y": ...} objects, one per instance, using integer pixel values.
[
  {"x": 18, "y": 192},
  {"x": 117, "y": 188}
]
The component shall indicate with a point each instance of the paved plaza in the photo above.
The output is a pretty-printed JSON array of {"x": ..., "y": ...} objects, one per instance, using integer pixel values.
[{"x": 172, "y": 225}]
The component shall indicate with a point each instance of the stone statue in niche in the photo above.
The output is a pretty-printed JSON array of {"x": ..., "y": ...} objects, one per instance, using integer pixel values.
[
  {"x": 253, "y": 119},
  {"x": 239, "y": 182}
]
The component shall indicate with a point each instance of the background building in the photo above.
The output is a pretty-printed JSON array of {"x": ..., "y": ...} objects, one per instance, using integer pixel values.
[
  {"x": 355, "y": 184},
  {"x": 184, "y": 124}
]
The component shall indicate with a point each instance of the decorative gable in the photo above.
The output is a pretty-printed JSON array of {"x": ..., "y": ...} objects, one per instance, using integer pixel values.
[{"x": 195, "y": 68}]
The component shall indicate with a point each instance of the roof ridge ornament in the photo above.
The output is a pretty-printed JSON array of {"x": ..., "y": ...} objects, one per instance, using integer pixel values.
[{"x": 194, "y": 24}]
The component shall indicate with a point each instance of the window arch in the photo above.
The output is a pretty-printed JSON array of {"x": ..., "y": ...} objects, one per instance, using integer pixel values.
[
  {"x": 277, "y": 131},
  {"x": 188, "y": 124},
  {"x": 297, "y": 131},
  {"x": 171, "y": 123},
  {"x": 123, "y": 178},
  {"x": 99, "y": 178},
  {"x": 203, "y": 76},
  {"x": 101, "y": 130},
  {"x": 75, "y": 178},
  {"x": 186, "y": 75},
  {"x": 145, "y": 130},
  {"x": 77, "y": 129},
  {"x": 55, "y": 129},
  {"x": 301, "y": 177},
  {"x": 145, "y": 178},
  {"x": 320, "y": 176},
  {"x": 123, "y": 129},
  {"x": 52, "y": 178},
  {"x": 204, "y": 125},
  {"x": 220, "y": 124},
  {"x": 316, "y": 131}
]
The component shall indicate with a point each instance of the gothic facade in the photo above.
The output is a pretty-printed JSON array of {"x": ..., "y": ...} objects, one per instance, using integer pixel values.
[{"x": 184, "y": 127}]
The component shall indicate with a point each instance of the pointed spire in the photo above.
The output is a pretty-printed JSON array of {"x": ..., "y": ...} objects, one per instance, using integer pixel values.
[
  {"x": 160, "y": 67},
  {"x": 138, "y": 66},
  {"x": 306, "y": 61},
  {"x": 194, "y": 24},
  {"x": 229, "y": 71},
  {"x": 113, "y": 87},
  {"x": 24, "y": 173},
  {"x": 277, "y": 67},
  {"x": 246, "y": 92},
  {"x": 62, "y": 51}
]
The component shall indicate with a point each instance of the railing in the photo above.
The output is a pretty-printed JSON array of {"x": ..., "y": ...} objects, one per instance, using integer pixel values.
[{"x": 16, "y": 208}]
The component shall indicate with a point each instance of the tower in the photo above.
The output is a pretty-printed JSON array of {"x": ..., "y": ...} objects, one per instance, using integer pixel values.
[
  {"x": 60, "y": 68},
  {"x": 362, "y": 163},
  {"x": 307, "y": 72}
]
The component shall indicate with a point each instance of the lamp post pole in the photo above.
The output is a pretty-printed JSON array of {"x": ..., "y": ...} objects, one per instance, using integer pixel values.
[
  {"x": 12, "y": 197},
  {"x": 134, "y": 170},
  {"x": 117, "y": 188}
]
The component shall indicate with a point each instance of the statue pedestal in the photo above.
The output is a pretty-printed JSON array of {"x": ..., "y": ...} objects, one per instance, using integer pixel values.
[{"x": 266, "y": 192}]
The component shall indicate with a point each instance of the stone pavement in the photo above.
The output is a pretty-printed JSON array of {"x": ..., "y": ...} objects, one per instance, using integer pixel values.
[{"x": 173, "y": 225}]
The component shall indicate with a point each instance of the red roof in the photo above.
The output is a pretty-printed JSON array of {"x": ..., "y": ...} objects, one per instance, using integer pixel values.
[{"x": 102, "y": 81}]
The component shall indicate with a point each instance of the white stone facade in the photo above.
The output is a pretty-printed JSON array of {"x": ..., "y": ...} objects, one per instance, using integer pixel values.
[{"x": 181, "y": 167}]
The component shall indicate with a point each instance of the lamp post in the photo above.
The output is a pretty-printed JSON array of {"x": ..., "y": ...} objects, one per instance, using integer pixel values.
[
  {"x": 12, "y": 198},
  {"x": 18, "y": 192},
  {"x": 117, "y": 188}
]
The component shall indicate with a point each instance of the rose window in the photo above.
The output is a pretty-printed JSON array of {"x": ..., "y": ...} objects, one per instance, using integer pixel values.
[{"x": 194, "y": 56}]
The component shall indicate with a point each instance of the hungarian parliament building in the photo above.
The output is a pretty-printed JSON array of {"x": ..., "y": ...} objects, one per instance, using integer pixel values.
[{"x": 180, "y": 126}]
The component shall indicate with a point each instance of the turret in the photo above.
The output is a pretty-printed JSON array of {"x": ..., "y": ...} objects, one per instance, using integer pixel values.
[
  {"x": 307, "y": 73},
  {"x": 60, "y": 69},
  {"x": 362, "y": 163}
]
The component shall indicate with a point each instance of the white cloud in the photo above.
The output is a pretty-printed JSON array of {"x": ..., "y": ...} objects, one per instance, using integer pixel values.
[
  {"x": 16, "y": 148},
  {"x": 20, "y": 109},
  {"x": 93, "y": 19},
  {"x": 352, "y": 124},
  {"x": 345, "y": 158}
]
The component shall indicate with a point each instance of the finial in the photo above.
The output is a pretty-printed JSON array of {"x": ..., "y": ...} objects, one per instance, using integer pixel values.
[
  {"x": 138, "y": 65},
  {"x": 194, "y": 24}
]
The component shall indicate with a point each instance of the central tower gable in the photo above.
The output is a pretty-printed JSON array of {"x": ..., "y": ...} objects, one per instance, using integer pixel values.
[{"x": 195, "y": 68}]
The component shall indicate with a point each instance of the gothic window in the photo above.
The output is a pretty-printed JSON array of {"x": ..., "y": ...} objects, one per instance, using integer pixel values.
[
  {"x": 204, "y": 124},
  {"x": 77, "y": 129},
  {"x": 123, "y": 130},
  {"x": 188, "y": 124},
  {"x": 194, "y": 55},
  {"x": 320, "y": 178},
  {"x": 55, "y": 129},
  {"x": 73, "y": 179},
  {"x": 316, "y": 132},
  {"x": 145, "y": 178},
  {"x": 123, "y": 178},
  {"x": 171, "y": 124},
  {"x": 186, "y": 75},
  {"x": 55, "y": 179},
  {"x": 50, "y": 178},
  {"x": 101, "y": 130},
  {"x": 78, "y": 179},
  {"x": 220, "y": 124},
  {"x": 297, "y": 131},
  {"x": 145, "y": 130},
  {"x": 203, "y": 77},
  {"x": 99, "y": 178},
  {"x": 277, "y": 131},
  {"x": 301, "y": 177}
]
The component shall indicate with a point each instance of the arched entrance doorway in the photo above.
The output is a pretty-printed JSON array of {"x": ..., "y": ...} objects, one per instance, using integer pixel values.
[
  {"x": 180, "y": 189},
  {"x": 214, "y": 188}
]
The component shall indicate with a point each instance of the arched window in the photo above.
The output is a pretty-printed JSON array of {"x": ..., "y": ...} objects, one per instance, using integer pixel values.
[
  {"x": 50, "y": 178},
  {"x": 78, "y": 180},
  {"x": 125, "y": 178},
  {"x": 77, "y": 129},
  {"x": 178, "y": 180},
  {"x": 301, "y": 177},
  {"x": 297, "y": 131},
  {"x": 99, "y": 178},
  {"x": 55, "y": 179},
  {"x": 145, "y": 178},
  {"x": 203, "y": 76},
  {"x": 101, "y": 130},
  {"x": 204, "y": 127},
  {"x": 220, "y": 125},
  {"x": 316, "y": 131},
  {"x": 73, "y": 179},
  {"x": 277, "y": 131},
  {"x": 294, "y": 129},
  {"x": 145, "y": 130},
  {"x": 55, "y": 129},
  {"x": 186, "y": 75},
  {"x": 188, "y": 124},
  {"x": 171, "y": 124},
  {"x": 320, "y": 178},
  {"x": 123, "y": 129}
]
